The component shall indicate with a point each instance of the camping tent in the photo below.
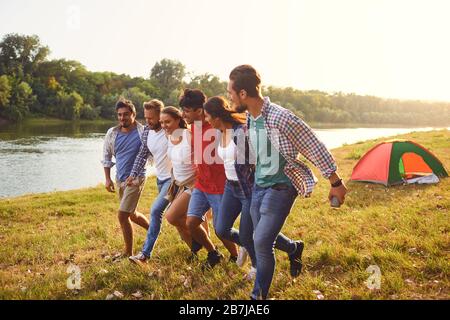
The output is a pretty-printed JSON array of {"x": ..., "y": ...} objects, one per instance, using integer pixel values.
[{"x": 392, "y": 162}]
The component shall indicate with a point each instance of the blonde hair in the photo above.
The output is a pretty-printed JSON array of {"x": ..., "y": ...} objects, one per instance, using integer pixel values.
[{"x": 154, "y": 104}]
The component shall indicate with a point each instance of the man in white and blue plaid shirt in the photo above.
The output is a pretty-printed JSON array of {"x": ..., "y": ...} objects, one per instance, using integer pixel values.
[{"x": 278, "y": 137}]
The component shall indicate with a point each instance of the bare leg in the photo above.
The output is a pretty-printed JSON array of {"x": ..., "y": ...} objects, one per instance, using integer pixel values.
[
  {"x": 140, "y": 219},
  {"x": 176, "y": 216},
  {"x": 231, "y": 247},
  {"x": 199, "y": 233},
  {"x": 127, "y": 230}
]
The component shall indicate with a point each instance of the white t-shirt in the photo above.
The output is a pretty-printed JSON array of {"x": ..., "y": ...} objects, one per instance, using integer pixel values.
[
  {"x": 157, "y": 143},
  {"x": 181, "y": 157},
  {"x": 228, "y": 155}
]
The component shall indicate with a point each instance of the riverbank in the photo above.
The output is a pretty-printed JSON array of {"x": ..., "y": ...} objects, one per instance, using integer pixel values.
[
  {"x": 402, "y": 230},
  {"x": 53, "y": 121}
]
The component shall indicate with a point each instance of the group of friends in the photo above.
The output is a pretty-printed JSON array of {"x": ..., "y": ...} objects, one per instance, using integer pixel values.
[{"x": 212, "y": 157}]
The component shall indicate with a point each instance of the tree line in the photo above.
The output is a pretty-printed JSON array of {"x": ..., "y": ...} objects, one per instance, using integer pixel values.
[{"x": 32, "y": 84}]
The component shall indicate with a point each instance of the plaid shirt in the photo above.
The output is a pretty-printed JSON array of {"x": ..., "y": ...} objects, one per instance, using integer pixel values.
[
  {"x": 291, "y": 137},
  {"x": 245, "y": 168},
  {"x": 143, "y": 156}
]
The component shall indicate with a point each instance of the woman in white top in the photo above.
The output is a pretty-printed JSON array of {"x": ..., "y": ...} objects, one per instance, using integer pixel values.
[
  {"x": 184, "y": 172},
  {"x": 236, "y": 154}
]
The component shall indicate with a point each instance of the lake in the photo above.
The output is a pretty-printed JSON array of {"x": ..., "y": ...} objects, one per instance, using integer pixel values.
[{"x": 37, "y": 158}]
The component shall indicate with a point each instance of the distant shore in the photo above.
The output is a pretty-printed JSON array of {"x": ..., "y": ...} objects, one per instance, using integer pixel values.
[{"x": 316, "y": 125}]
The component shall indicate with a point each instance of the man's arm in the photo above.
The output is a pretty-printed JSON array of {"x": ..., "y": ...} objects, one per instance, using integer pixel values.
[
  {"x": 108, "y": 182},
  {"x": 308, "y": 144},
  {"x": 338, "y": 188},
  {"x": 141, "y": 159},
  {"x": 107, "y": 162}
]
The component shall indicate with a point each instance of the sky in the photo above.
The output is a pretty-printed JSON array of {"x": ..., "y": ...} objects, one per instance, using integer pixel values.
[{"x": 387, "y": 48}]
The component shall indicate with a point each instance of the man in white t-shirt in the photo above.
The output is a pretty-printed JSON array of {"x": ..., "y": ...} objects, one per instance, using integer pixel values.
[{"x": 154, "y": 147}]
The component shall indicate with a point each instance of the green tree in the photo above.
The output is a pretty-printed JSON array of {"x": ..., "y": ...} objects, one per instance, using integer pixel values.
[
  {"x": 168, "y": 76},
  {"x": 20, "y": 55},
  {"x": 138, "y": 97},
  {"x": 209, "y": 84},
  {"x": 107, "y": 106},
  {"x": 5, "y": 91},
  {"x": 148, "y": 88},
  {"x": 69, "y": 105},
  {"x": 21, "y": 98},
  {"x": 87, "y": 112},
  {"x": 174, "y": 97}
]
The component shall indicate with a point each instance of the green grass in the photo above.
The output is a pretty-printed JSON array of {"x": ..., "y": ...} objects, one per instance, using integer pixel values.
[{"x": 404, "y": 230}]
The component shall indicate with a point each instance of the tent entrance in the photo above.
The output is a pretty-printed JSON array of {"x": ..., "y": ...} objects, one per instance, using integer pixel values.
[{"x": 412, "y": 165}]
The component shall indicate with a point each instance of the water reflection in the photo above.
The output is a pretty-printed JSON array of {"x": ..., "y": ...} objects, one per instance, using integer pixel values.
[{"x": 45, "y": 130}]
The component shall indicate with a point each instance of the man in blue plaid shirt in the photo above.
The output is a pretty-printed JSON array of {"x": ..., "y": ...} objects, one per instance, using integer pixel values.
[{"x": 278, "y": 137}]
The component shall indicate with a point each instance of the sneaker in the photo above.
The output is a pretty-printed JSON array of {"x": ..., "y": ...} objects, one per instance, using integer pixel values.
[
  {"x": 139, "y": 258},
  {"x": 242, "y": 257},
  {"x": 214, "y": 257},
  {"x": 296, "y": 259},
  {"x": 251, "y": 275}
]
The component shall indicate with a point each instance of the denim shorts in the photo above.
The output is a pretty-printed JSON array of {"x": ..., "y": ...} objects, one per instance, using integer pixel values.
[{"x": 201, "y": 202}]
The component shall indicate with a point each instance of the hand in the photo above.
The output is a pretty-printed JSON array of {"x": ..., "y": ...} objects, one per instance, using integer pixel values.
[
  {"x": 338, "y": 192},
  {"x": 129, "y": 181},
  {"x": 110, "y": 185}
]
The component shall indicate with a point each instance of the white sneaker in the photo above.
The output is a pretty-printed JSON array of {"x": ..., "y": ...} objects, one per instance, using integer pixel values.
[
  {"x": 139, "y": 258},
  {"x": 242, "y": 257},
  {"x": 251, "y": 275}
]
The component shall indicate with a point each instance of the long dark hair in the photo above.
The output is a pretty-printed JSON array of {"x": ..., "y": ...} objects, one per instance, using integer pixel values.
[
  {"x": 218, "y": 107},
  {"x": 176, "y": 114}
]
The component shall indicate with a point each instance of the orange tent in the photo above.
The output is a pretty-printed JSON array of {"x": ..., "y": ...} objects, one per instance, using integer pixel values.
[{"x": 392, "y": 162}]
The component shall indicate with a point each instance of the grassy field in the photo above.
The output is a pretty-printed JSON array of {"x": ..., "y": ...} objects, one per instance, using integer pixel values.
[{"x": 403, "y": 230}]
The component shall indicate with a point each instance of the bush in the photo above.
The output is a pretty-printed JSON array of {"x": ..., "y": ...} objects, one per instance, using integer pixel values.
[
  {"x": 69, "y": 105},
  {"x": 87, "y": 112}
]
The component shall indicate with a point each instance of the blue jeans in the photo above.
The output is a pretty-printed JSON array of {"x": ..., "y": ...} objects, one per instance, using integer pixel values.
[
  {"x": 234, "y": 202},
  {"x": 156, "y": 216},
  {"x": 201, "y": 202},
  {"x": 269, "y": 210}
]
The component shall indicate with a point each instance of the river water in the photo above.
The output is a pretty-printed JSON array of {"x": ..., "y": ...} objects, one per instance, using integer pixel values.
[{"x": 48, "y": 157}]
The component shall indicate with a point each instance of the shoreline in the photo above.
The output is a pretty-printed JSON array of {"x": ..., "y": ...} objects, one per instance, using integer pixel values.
[
  {"x": 315, "y": 125},
  {"x": 50, "y": 121}
]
